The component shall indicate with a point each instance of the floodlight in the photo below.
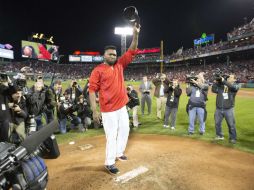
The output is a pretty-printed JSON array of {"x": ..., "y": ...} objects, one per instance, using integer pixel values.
[{"x": 124, "y": 31}]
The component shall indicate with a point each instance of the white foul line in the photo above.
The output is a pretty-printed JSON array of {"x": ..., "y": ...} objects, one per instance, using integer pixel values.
[{"x": 131, "y": 174}]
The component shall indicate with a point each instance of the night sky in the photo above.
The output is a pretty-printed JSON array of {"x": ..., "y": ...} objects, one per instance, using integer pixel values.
[{"x": 89, "y": 25}]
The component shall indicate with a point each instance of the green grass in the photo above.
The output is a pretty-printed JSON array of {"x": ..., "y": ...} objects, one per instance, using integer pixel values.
[{"x": 151, "y": 125}]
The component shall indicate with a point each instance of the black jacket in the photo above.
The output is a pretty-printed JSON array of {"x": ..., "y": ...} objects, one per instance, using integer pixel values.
[
  {"x": 66, "y": 109},
  {"x": 133, "y": 99},
  {"x": 36, "y": 101},
  {"x": 228, "y": 100},
  {"x": 84, "y": 110},
  {"x": 173, "y": 101},
  {"x": 17, "y": 118},
  {"x": 75, "y": 90},
  {"x": 4, "y": 108}
]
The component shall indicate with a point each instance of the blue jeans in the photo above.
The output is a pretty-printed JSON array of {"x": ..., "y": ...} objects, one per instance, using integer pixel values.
[
  {"x": 63, "y": 123},
  {"x": 200, "y": 112},
  {"x": 229, "y": 115},
  {"x": 49, "y": 116},
  {"x": 38, "y": 120}
]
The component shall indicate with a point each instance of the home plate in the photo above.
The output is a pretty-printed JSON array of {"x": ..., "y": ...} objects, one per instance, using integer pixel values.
[
  {"x": 85, "y": 146},
  {"x": 131, "y": 174}
]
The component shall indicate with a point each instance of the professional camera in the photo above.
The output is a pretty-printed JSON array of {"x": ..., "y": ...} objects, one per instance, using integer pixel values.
[
  {"x": 67, "y": 104},
  {"x": 74, "y": 84},
  {"x": 191, "y": 77},
  {"x": 128, "y": 89},
  {"x": 20, "y": 167},
  {"x": 217, "y": 74},
  {"x": 21, "y": 83},
  {"x": 31, "y": 124},
  {"x": 3, "y": 77}
]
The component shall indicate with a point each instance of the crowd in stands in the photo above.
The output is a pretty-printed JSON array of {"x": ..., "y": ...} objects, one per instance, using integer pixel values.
[
  {"x": 65, "y": 71},
  {"x": 188, "y": 53},
  {"x": 244, "y": 70},
  {"x": 242, "y": 30}
]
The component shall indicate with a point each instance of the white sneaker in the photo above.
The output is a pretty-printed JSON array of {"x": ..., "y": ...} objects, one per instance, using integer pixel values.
[
  {"x": 219, "y": 138},
  {"x": 166, "y": 126},
  {"x": 173, "y": 128}
]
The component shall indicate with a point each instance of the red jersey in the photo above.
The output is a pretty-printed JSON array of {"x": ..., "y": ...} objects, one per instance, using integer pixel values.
[{"x": 109, "y": 82}]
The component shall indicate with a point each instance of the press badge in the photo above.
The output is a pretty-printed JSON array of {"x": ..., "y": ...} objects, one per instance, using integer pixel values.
[
  {"x": 172, "y": 99},
  {"x": 225, "y": 96},
  {"x": 3, "y": 107},
  {"x": 197, "y": 93}
]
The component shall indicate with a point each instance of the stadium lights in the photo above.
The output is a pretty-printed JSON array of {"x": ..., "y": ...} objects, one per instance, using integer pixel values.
[{"x": 124, "y": 31}]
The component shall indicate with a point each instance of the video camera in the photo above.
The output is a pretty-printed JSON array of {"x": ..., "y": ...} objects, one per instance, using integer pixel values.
[
  {"x": 191, "y": 77},
  {"x": 20, "y": 167},
  {"x": 217, "y": 74}
]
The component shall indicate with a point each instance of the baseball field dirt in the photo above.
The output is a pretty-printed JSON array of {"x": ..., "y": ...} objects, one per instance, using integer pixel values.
[{"x": 173, "y": 163}]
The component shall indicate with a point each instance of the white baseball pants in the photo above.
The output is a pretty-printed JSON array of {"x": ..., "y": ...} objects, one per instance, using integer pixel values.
[{"x": 116, "y": 127}]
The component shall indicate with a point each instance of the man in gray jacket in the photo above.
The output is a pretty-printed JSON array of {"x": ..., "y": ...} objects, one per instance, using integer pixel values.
[
  {"x": 145, "y": 89},
  {"x": 197, "y": 90},
  {"x": 226, "y": 90}
]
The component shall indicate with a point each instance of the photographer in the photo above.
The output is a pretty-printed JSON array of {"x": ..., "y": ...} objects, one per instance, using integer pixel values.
[
  {"x": 36, "y": 102},
  {"x": 133, "y": 104},
  {"x": 160, "y": 82},
  {"x": 20, "y": 81},
  {"x": 197, "y": 91},
  {"x": 84, "y": 113},
  {"x": 4, "y": 107},
  {"x": 174, "y": 92},
  {"x": 41, "y": 102},
  {"x": 75, "y": 90},
  {"x": 18, "y": 113},
  {"x": 226, "y": 89},
  {"x": 66, "y": 111}
]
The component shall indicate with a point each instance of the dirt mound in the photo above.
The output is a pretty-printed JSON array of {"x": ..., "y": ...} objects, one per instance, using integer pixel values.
[{"x": 173, "y": 163}]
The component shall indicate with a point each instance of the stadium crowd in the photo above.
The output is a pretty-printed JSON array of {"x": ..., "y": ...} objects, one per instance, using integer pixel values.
[
  {"x": 242, "y": 30},
  {"x": 244, "y": 71}
]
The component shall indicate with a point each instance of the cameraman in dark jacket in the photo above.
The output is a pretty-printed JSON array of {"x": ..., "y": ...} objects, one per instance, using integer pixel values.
[
  {"x": 36, "y": 102},
  {"x": 84, "y": 113},
  {"x": 226, "y": 90},
  {"x": 75, "y": 91},
  {"x": 133, "y": 104},
  {"x": 19, "y": 115},
  {"x": 66, "y": 112},
  {"x": 197, "y": 90},
  {"x": 4, "y": 107},
  {"x": 174, "y": 92}
]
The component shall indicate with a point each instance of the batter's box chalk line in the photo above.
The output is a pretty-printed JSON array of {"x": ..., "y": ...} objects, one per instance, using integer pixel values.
[{"x": 131, "y": 174}]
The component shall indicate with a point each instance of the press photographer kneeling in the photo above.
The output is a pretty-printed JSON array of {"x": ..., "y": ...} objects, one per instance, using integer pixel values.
[{"x": 66, "y": 111}]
